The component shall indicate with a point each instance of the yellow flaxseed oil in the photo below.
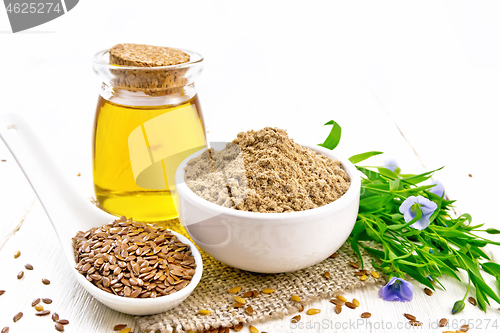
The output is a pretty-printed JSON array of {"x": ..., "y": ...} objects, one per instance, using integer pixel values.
[{"x": 136, "y": 152}]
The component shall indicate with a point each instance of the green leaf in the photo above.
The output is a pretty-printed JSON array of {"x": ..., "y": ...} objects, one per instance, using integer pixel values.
[
  {"x": 483, "y": 287},
  {"x": 415, "y": 179},
  {"x": 372, "y": 175},
  {"x": 387, "y": 172},
  {"x": 333, "y": 138},
  {"x": 414, "y": 273},
  {"x": 461, "y": 220},
  {"x": 394, "y": 184},
  {"x": 377, "y": 253},
  {"x": 469, "y": 264},
  {"x": 417, "y": 189},
  {"x": 481, "y": 297},
  {"x": 361, "y": 157},
  {"x": 355, "y": 247},
  {"x": 448, "y": 232},
  {"x": 491, "y": 268},
  {"x": 374, "y": 203}
]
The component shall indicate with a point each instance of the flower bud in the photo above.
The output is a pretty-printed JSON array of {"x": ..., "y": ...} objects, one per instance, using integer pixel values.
[
  {"x": 458, "y": 306},
  {"x": 493, "y": 231},
  {"x": 386, "y": 270}
]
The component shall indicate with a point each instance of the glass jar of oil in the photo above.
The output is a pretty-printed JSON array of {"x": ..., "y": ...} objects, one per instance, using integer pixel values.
[{"x": 148, "y": 120}]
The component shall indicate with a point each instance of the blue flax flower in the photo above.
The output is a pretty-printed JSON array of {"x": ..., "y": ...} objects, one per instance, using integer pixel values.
[
  {"x": 409, "y": 209},
  {"x": 438, "y": 189},
  {"x": 397, "y": 289},
  {"x": 391, "y": 164}
]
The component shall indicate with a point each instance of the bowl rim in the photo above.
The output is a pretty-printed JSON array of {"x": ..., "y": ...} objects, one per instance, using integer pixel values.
[
  {"x": 180, "y": 294},
  {"x": 352, "y": 193}
]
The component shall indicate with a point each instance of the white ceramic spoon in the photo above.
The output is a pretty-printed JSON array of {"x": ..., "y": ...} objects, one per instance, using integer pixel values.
[{"x": 69, "y": 212}]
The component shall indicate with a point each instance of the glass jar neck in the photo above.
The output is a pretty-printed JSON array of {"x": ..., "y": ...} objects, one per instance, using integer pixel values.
[{"x": 174, "y": 96}]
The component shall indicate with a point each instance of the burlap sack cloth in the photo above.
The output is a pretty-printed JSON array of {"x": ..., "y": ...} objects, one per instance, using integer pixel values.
[{"x": 212, "y": 292}]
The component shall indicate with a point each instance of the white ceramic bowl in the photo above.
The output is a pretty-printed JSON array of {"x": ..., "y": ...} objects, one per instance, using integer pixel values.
[
  {"x": 269, "y": 242},
  {"x": 147, "y": 306}
]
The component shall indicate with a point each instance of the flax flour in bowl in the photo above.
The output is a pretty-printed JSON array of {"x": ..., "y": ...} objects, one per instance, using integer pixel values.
[{"x": 265, "y": 171}]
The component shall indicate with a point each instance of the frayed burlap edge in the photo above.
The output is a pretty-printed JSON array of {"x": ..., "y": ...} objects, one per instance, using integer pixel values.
[{"x": 212, "y": 294}]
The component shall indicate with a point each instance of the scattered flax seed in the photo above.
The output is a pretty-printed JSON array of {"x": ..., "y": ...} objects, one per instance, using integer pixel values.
[
  {"x": 119, "y": 327},
  {"x": 125, "y": 330},
  {"x": 239, "y": 299},
  {"x": 366, "y": 315},
  {"x": 472, "y": 301},
  {"x": 300, "y": 306},
  {"x": 376, "y": 275},
  {"x": 268, "y": 291},
  {"x": 234, "y": 290},
  {"x": 354, "y": 265},
  {"x": 5, "y": 329},
  {"x": 295, "y": 298},
  {"x": 63, "y": 322},
  {"x": 312, "y": 312},
  {"x": 35, "y": 301},
  {"x": 238, "y": 327},
  {"x": 255, "y": 293},
  {"x": 42, "y": 313},
  {"x": 29, "y": 267},
  {"x": 238, "y": 305},
  {"x": 350, "y": 305},
  {"x": 47, "y": 300},
  {"x": 443, "y": 322},
  {"x": 20, "y": 275},
  {"x": 464, "y": 328},
  {"x": 46, "y": 281},
  {"x": 363, "y": 277},
  {"x": 337, "y": 302},
  {"x": 410, "y": 317},
  {"x": 415, "y": 323},
  {"x": 79, "y": 174},
  {"x": 204, "y": 312},
  {"x": 326, "y": 275},
  {"x": 55, "y": 317},
  {"x": 248, "y": 294},
  {"x": 335, "y": 255},
  {"x": 59, "y": 327},
  {"x": 470, "y": 175},
  {"x": 249, "y": 310},
  {"x": 253, "y": 329},
  {"x": 17, "y": 254},
  {"x": 17, "y": 316},
  {"x": 355, "y": 302},
  {"x": 296, "y": 319},
  {"x": 2, "y": 292},
  {"x": 338, "y": 308},
  {"x": 428, "y": 292},
  {"x": 341, "y": 298},
  {"x": 38, "y": 307}
]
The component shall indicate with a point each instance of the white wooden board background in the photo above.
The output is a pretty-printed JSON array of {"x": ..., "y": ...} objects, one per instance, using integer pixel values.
[{"x": 418, "y": 81}]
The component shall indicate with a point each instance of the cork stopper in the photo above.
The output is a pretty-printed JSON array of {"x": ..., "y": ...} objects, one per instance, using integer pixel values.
[
  {"x": 140, "y": 55},
  {"x": 155, "y": 82}
]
